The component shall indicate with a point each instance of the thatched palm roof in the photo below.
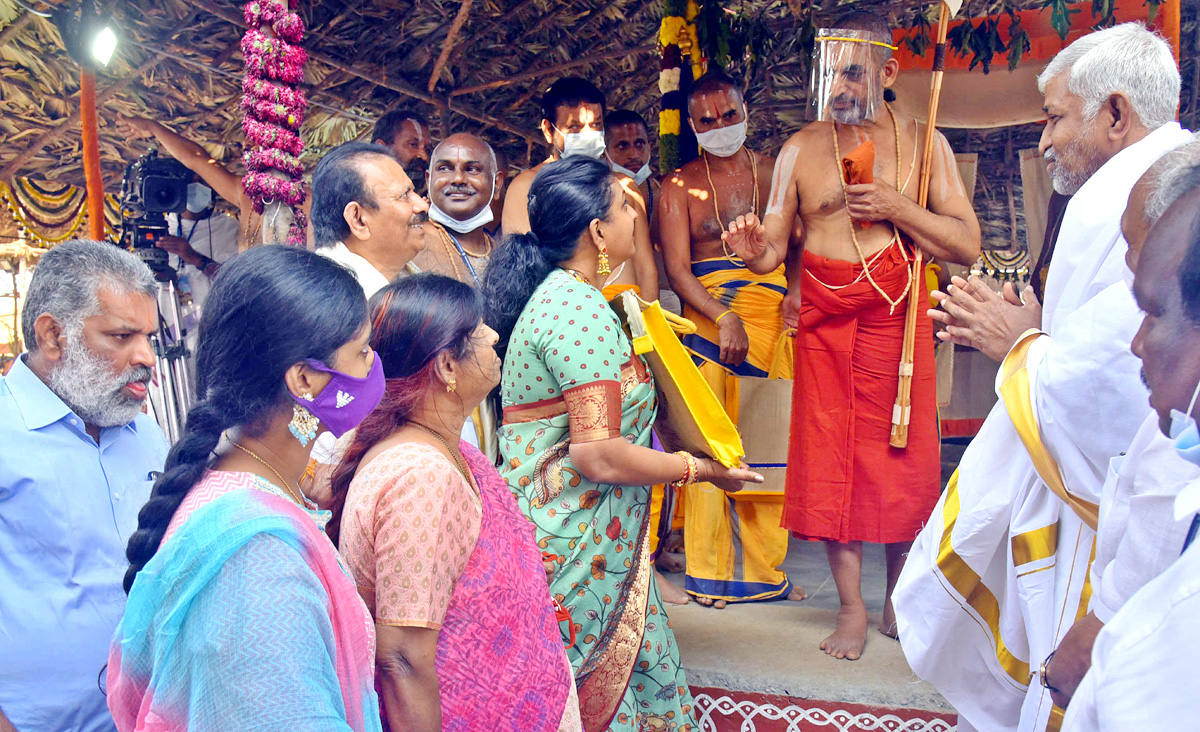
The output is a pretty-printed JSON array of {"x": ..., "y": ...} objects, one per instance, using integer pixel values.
[{"x": 179, "y": 63}]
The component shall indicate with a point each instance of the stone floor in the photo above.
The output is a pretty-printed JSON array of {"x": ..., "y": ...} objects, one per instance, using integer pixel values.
[{"x": 774, "y": 648}]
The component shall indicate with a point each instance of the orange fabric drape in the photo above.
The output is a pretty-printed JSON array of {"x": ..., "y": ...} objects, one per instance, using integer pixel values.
[{"x": 91, "y": 157}]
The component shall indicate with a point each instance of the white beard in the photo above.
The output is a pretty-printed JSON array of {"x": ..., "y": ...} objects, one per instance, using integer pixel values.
[{"x": 87, "y": 384}]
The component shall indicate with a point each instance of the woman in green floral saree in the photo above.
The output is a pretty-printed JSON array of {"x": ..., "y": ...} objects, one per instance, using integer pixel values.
[{"x": 578, "y": 409}]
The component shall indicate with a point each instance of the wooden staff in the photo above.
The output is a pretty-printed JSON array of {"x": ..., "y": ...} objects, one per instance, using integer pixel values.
[{"x": 902, "y": 411}]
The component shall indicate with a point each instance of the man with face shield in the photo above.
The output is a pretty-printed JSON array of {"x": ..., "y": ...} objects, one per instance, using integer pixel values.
[
  {"x": 739, "y": 323},
  {"x": 853, "y": 265},
  {"x": 462, "y": 186},
  {"x": 573, "y": 124}
]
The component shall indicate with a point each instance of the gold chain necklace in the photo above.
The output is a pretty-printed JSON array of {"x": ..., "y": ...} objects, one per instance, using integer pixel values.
[
  {"x": 285, "y": 484},
  {"x": 717, "y": 208},
  {"x": 452, "y": 251},
  {"x": 578, "y": 276},
  {"x": 837, "y": 149},
  {"x": 462, "y": 468}
]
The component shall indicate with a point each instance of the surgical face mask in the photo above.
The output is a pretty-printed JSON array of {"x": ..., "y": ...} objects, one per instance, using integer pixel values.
[
  {"x": 723, "y": 141},
  {"x": 1184, "y": 431},
  {"x": 199, "y": 197},
  {"x": 588, "y": 143},
  {"x": 639, "y": 177},
  {"x": 482, "y": 217}
]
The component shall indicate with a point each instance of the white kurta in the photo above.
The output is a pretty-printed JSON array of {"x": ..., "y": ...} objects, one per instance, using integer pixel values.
[
  {"x": 1000, "y": 571},
  {"x": 1138, "y": 537},
  {"x": 1143, "y": 674}
]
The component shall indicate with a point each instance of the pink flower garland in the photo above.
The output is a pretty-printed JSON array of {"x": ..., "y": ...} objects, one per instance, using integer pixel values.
[{"x": 273, "y": 109}]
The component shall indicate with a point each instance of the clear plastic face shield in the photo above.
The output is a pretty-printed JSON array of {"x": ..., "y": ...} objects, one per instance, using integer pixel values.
[{"x": 847, "y": 78}]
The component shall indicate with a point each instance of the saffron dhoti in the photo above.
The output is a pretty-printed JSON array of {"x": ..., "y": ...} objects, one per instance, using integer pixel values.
[
  {"x": 716, "y": 549},
  {"x": 845, "y": 482}
]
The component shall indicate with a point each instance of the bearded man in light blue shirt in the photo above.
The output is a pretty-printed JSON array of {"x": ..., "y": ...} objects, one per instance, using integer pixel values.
[{"x": 76, "y": 456}]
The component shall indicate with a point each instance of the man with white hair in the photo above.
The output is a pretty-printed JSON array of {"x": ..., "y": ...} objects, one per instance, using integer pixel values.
[
  {"x": 76, "y": 462},
  {"x": 1000, "y": 572}
]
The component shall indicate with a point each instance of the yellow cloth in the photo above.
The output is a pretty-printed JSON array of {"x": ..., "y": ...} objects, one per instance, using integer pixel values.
[
  {"x": 755, "y": 299},
  {"x": 711, "y": 541}
]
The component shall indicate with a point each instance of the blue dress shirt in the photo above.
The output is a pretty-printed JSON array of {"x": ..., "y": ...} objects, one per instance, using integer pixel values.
[{"x": 67, "y": 509}]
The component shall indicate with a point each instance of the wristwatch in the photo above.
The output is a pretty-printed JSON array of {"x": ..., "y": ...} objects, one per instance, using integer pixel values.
[{"x": 1042, "y": 673}]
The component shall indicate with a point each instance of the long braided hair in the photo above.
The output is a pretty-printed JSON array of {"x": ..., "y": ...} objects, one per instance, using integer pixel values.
[
  {"x": 270, "y": 308},
  {"x": 413, "y": 320}
]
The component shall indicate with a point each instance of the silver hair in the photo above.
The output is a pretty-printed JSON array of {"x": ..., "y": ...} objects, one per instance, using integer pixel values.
[
  {"x": 1126, "y": 59},
  {"x": 491, "y": 153},
  {"x": 1168, "y": 182},
  {"x": 68, "y": 278}
]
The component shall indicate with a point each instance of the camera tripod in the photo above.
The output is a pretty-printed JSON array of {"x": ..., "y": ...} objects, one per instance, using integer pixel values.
[{"x": 171, "y": 393}]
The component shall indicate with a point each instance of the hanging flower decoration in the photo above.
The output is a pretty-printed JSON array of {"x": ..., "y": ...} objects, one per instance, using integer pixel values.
[
  {"x": 48, "y": 213},
  {"x": 273, "y": 109},
  {"x": 677, "y": 36}
]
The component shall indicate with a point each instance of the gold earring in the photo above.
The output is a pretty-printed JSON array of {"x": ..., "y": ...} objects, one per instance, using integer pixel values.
[
  {"x": 452, "y": 385},
  {"x": 602, "y": 267}
]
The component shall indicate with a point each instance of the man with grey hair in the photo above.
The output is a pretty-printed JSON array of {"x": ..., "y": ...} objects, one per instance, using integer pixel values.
[
  {"x": 1143, "y": 663},
  {"x": 76, "y": 462},
  {"x": 1136, "y": 534},
  {"x": 1001, "y": 570}
]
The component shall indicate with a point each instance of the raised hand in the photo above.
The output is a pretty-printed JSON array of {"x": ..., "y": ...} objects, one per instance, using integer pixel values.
[{"x": 746, "y": 237}]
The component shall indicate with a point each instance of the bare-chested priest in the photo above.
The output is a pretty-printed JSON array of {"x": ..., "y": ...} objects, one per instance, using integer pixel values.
[
  {"x": 573, "y": 124},
  {"x": 738, "y": 327},
  {"x": 846, "y": 484}
]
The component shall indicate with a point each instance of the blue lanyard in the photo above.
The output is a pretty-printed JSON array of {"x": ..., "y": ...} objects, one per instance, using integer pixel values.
[{"x": 463, "y": 253}]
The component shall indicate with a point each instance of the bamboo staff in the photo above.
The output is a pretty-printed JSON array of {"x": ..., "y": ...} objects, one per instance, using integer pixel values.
[{"x": 902, "y": 411}]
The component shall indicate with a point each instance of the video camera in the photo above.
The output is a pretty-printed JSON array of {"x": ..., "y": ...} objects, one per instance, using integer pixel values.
[{"x": 153, "y": 187}]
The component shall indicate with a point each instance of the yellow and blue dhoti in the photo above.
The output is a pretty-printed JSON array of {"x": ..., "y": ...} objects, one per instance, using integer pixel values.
[{"x": 734, "y": 542}]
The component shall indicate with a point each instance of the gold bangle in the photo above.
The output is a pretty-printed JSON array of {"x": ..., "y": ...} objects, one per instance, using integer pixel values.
[
  {"x": 691, "y": 470},
  {"x": 717, "y": 321}
]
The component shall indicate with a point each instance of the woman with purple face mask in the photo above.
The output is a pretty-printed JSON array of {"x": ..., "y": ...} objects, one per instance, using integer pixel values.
[{"x": 240, "y": 615}]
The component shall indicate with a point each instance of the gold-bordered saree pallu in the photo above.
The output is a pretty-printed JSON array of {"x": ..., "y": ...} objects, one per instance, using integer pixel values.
[
  {"x": 568, "y": 382},
  {"x": 1000, "y": 572}
]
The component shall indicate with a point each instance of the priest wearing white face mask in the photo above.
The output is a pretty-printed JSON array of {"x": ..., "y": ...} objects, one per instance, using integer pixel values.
[
  {"x": 462, "y": 185},
  {"x": 573, "y": 124},
  {"x": 739, "y": 322}
]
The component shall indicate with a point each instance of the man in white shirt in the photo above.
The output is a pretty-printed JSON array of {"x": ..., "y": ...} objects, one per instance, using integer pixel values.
[
  {"x": 1000, "y": 571},
  {"x": 1136, "y": 537},
  {"x": 1143, "y": 672},
  {"x": 366, "y": 214}
]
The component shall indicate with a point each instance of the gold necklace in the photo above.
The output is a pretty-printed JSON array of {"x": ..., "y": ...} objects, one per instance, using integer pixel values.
[
  {"x": 717, "y": 209},
  {"x": 285, "y": 484},
  {"x": 452, "y": 252},
  {"x": 837, "y": 149},
  {"x": 578, "y": 276},
  {"x": 462, "y": 468}
]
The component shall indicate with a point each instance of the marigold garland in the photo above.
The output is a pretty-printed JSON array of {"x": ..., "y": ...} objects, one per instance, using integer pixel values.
[{"x": 274, "y": 108}]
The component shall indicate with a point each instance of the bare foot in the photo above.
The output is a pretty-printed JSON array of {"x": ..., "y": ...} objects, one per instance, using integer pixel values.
[
  {"x": 710, "y": 602},
  {"x": 887, "y": 626},
  {"x": 668, "y": 563},
  {"x": 671, "y": 593},
  {"x": 797, "y": 594},
  {"x": 848, "y": 639},
  {"x": 674, "y": 543}
]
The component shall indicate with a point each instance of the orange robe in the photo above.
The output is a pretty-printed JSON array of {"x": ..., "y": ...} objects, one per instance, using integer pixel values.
[{"x": 844, "y": 481}]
